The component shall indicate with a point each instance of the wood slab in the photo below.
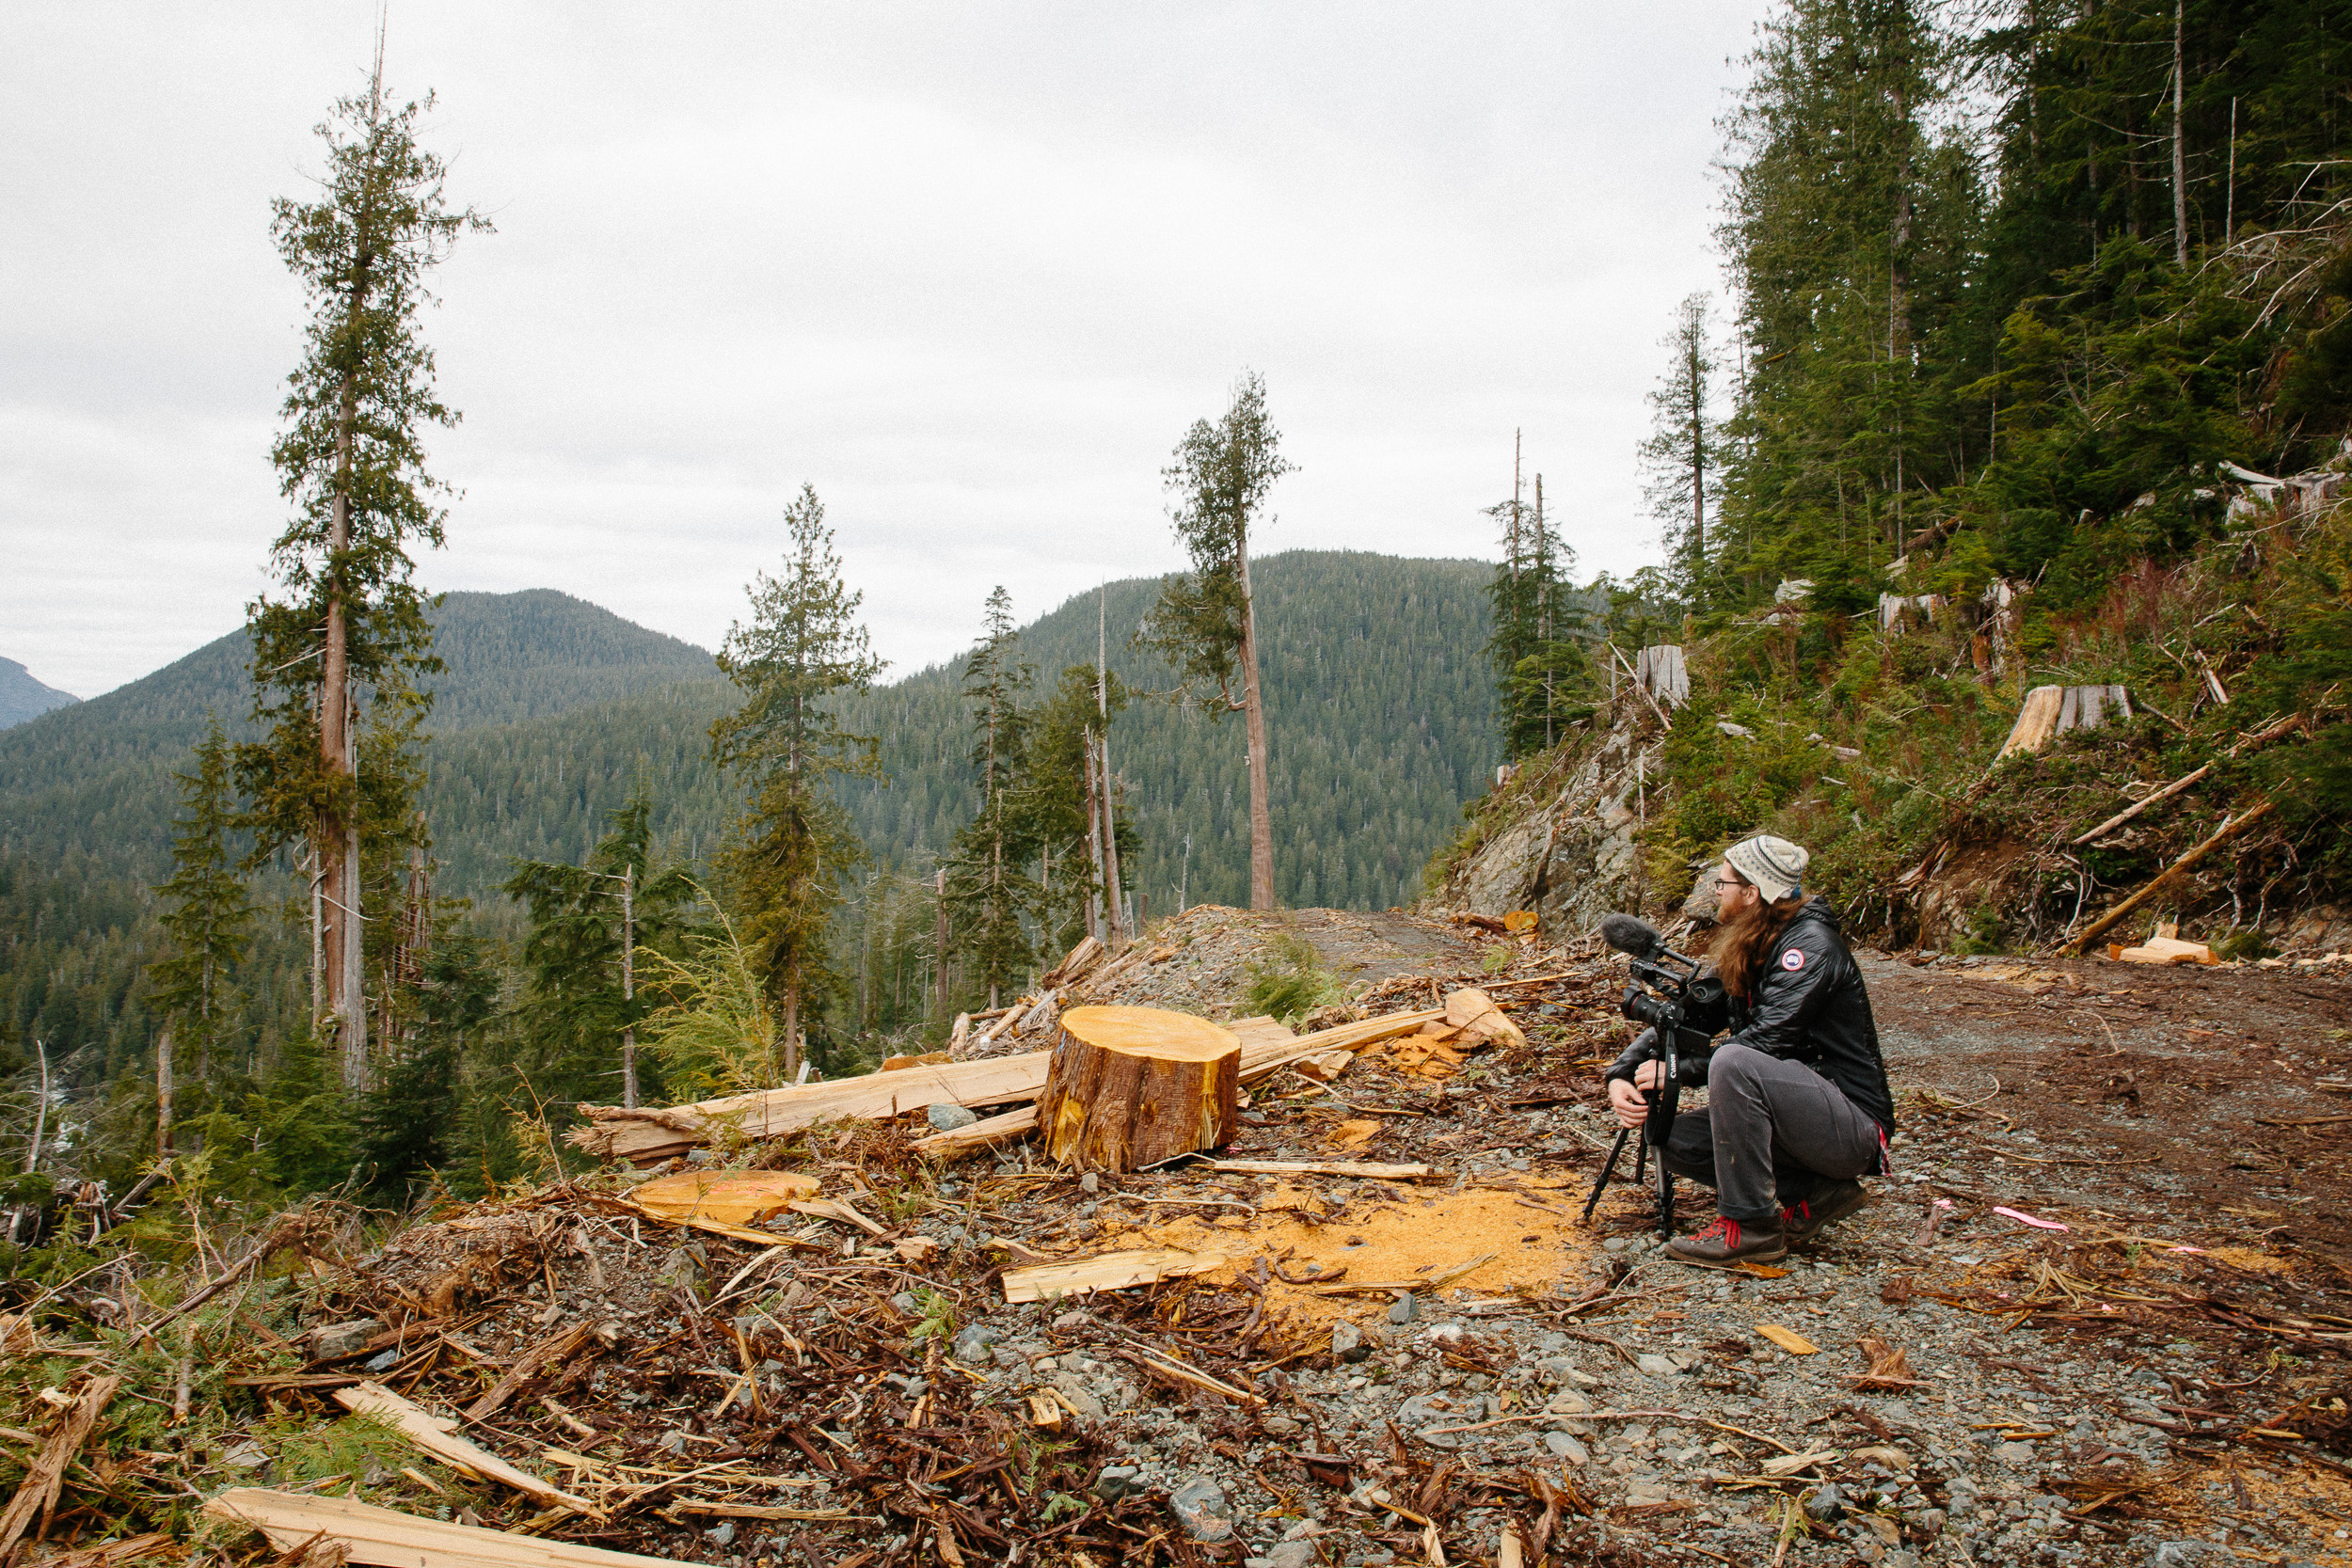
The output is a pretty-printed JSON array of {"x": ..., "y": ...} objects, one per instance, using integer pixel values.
[
  {"x": 1111, "y": 1271},
  {"x": 438, "y": 1436},
  {"x": 390, "y": 1539},
  {"x": 738, "y": 1197}
]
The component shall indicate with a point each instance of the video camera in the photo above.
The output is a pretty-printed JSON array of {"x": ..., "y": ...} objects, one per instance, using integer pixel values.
[{"x": 1663, "y": 986}]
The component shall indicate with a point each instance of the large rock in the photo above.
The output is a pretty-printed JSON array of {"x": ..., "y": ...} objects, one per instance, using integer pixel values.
[
  {"x": 1202, "y": 1509},
  {"x": 1568, "y": 854},
  {"x": 335, "y": 1341}
]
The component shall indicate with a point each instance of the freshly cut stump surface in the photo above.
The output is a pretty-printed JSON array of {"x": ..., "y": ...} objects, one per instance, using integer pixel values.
[{"x": 1131, "y": 1087}]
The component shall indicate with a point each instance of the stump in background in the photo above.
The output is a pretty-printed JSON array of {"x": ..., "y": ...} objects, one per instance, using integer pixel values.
[{"x": 1132, "y": 1086}]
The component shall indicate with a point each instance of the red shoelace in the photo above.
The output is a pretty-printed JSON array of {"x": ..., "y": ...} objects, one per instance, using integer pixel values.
[{"x": 1724, "y": 1228}]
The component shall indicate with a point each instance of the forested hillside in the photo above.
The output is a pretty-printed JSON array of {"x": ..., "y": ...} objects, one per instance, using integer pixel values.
[
  {"x": 551, "y": 712},
  {"x": 2031, "y": 306}
]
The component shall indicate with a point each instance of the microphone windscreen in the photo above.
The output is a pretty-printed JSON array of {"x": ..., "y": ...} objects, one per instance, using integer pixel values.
[{"x": 1627, "y": 934}]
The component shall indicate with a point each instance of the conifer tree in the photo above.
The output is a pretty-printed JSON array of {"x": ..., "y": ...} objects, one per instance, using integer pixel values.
[
  {"x": 408, "y": 1121},
  {"x": 581, "y": 1009},
  {"x": 989, "y": 896},
  {"x": 352, "y": 461},
  {"x": 1056, "y": 805},
  {"x": 801, "y": 649},
  {"x": 1204, "y": 623},
  {"x": 207, "y": 919},
  {"x": 1679, "y": 458}
]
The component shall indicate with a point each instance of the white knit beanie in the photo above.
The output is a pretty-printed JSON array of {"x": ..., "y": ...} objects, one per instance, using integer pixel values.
[{"x": 1775, "y": 865}]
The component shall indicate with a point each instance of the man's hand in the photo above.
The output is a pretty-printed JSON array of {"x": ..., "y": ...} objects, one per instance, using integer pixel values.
[{"x": 1626, "y": 1099}]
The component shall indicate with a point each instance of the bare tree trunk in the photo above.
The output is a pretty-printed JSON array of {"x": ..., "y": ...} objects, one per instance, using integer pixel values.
[
  {"x": 791, "y": 1027},
  {"x": 41, "y": 1109},
  {"x": 1094, "y": 847},
  {"x": 628, "y": 984},
  {"x": 1253, "y": 705},
  {"x": 2180, "y": 157},
  {"x": 1112, "y": 894},
  {"x": 336, "y": 836},
  {"x": 939, "y": 940},
  {"x": 163, "y": 1092}
]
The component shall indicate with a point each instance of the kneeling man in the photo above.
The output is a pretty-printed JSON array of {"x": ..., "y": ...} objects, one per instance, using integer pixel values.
[{"x": 1798, "y": 1105}]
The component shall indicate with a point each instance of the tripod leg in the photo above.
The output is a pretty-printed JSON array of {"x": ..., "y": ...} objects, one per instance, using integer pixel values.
[{"x": 1608, "y": 1169}]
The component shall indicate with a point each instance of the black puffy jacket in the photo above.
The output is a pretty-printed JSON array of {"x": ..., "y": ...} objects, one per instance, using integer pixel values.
[{"x": 1810, "y": 1007}]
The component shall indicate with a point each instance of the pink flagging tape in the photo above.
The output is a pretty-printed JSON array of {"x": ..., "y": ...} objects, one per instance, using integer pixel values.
[{"x": 2024, "y": 1218}]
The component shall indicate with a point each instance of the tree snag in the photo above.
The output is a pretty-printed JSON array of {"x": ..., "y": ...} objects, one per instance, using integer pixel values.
[{"x": 1132, "y": 1086}]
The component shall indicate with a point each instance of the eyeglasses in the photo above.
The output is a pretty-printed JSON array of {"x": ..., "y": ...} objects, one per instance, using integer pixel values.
[{"x": 1722, "y": 882}]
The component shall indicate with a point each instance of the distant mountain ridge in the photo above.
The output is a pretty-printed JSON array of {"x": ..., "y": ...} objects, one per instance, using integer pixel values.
[{"x": 21, "y": 697}]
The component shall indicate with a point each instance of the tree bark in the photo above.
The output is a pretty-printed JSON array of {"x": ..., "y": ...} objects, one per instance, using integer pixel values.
[
  {"x": 2180, "y": 158},
  {"x": 163, "y": 1087},
  {"x": 1253, "y": 713},
  {"x": 1132, "y": 1086},
  {"x": 628, "y": 985}
]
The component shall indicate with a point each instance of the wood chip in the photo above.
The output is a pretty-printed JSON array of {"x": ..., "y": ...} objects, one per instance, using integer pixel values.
[
  {"x": 1795, "y": 1343},
  {"x": 1789, "y": 1463},
  {"x": 1110, "y": 1271}
]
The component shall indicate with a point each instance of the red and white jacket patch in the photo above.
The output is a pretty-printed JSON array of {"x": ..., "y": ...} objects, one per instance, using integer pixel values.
[{"x": 1792, "y": 960}]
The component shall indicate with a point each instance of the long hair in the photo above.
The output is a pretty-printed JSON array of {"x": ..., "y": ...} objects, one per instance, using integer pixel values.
[{"x": 1750, "y": 942}]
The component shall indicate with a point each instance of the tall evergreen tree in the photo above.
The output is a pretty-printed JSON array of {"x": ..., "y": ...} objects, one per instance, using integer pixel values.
[
  {"x": 352, "y": 461},
  {"x": 989, "y": 896},
  {"x": 800, "y": 651},
  {"x": 207, "y": 919},
  {"x": 410, "y": 1122},
  {"x": 1204, "y": 623},
  {"x": 581, "y": 1009},
  {"x": 1679, "y": 458}
]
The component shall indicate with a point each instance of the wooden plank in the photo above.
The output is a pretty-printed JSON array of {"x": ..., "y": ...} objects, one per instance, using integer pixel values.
[
  {"x": 387, "y": 1538},
  {"x": 646, "y": 1135},
  {"x": 1111, "y": 1271},
  {"x": 738, "y": 1197},
  {"x": 436, "y": 1435}
]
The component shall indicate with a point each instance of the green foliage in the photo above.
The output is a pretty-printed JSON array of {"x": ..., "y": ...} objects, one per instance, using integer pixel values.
[
  {"x": 410, "y": 1122},
  {"x": 1222, "y": 474},
  {"x": 713, "y": 1031},
  {"x": 575, "y": 1008},
  {"x": 990, "y": 899},
  {"x": 1291, "y": 980},
  {"x": 351, "y": 458},
  {"x": 801, "y": 649},
  {"x": 208, "y": 922}
]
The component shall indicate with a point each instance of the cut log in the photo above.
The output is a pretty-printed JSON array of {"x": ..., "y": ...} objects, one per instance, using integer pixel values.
[
  {"x": 1112, "y": 1271},
  {"x": 980, "y": 1134},
  {"x": 646, "y": 1135},
  {"x": 390, "y": 1539},
  {"x": 1132, "y": 1086}
]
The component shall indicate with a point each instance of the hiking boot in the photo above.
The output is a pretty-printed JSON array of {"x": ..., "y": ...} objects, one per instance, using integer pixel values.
[
  {"x": 1730, "y": 1241},
  {"x": 1802, "y": 1222}
]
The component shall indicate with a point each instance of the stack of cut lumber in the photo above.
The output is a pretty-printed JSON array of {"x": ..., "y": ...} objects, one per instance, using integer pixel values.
[{"x": 649, "y": 1134}]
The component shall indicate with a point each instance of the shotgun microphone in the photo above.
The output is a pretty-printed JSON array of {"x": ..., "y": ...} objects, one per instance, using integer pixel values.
[{"x": 1628, "y": 934}]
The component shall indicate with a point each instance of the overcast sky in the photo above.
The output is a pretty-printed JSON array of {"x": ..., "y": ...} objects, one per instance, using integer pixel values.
[{"x": 969, "y": 269}]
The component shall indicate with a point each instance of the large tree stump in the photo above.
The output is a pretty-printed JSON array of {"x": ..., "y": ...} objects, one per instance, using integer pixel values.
[{"x": 1132, "y": 1086}]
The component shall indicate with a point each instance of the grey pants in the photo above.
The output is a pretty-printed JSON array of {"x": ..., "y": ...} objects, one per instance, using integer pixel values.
[{"x": 1771, "y": 1130}]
